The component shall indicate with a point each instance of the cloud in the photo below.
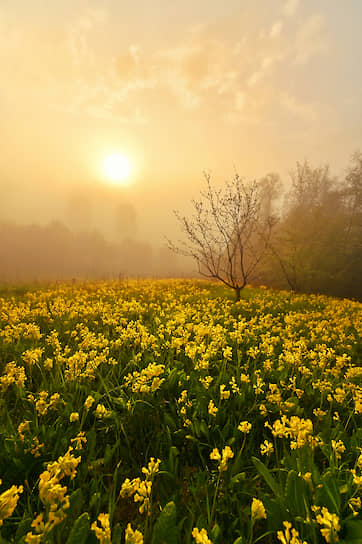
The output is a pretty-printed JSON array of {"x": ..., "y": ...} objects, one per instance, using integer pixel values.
[
  {"x": 290, "y": 7},
  {"x": 305, "y": 111},
  {"x": 276, "y": 29},
  {"x": 310, "y": 39},
  {"x": 205, "y": 70}
]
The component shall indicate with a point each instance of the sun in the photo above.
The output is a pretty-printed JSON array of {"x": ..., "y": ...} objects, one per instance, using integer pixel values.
[{"x": 117, "y": 168}]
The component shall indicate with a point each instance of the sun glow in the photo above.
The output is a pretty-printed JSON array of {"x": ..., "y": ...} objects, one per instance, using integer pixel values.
[{"x": 117, "y": 168}]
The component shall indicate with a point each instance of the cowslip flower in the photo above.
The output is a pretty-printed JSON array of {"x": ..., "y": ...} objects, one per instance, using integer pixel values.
[
  {"x": 8, "y": 501},
  {"x": 266, "y": 448},
  {"x": 290, "y": 535},
  {"x": 227, "y": 453},
  {"x": 88, "y": 402},
  {"x": 103, "y": 533},
  {"x": 257, "y": 510},
  {"x": 244, "y": 427},
  {"x": 330, "y": 525},
  {"x": 133, "y": 536},
  {"x": 212, "y": 409},
  {"x": 200, "y": 537}
]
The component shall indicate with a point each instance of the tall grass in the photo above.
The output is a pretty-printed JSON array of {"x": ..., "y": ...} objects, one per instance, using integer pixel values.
[{"x": 163, "y": 412}]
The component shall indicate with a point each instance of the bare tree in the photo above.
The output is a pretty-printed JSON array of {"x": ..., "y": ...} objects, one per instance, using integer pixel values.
[{"x": 227, "y": 234}]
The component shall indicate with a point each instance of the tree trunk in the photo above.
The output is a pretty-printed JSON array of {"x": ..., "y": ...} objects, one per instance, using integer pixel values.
[{"x": 237, "y": 293}]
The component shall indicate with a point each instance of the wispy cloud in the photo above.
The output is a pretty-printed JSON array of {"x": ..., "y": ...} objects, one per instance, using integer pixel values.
[
  {"x": 290, "y": 7},
  {"x": 276, "y": 29},
  {"x": 311, "y": 39}
]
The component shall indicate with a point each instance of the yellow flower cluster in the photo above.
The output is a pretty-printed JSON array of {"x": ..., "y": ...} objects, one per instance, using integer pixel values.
[
  {"x": 102, "y": 412},
  {"x": 244, "y": 427},
  {"x": 200, "y": 537},
  {"x": 133, "y": 536},
  {"x": 102, "y": 531},
  {"x": 290, "y": 535},
  {"x": 226, "y": 454},
  {"x": 298, "y": 429},
  {"x": 53, "y": 496},
  {"x": 12, "y": 374},
  {"x": 43, "y": 403},
  {"x": 257, "y": 510},
  {"x": 146, "y": 381},
  {"x": 329, "y": 522},
  {"x": 8, "y": 501},
  {"x": 141, "y": 489}
]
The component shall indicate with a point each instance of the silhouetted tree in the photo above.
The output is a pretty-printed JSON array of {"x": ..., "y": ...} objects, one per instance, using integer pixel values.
[{"x": 227, "y": 234}]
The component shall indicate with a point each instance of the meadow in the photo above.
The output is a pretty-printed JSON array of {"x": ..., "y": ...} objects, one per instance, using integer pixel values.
[{"x": 164, "y": 412}]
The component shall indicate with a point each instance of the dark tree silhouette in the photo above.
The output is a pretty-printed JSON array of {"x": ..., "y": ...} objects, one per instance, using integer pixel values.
[{"x": 228, "y": 232}]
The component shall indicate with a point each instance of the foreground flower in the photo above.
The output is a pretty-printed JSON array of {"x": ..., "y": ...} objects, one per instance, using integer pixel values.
[
  {"x": 200, "y": 536},
  {"x": 133, "y": 536},
  {"x": 212, "y": 409},
  {"x": 141, "y": 489},
  {"x": 88, "y": 402},
  {"x": 257, "y": 510},
  {"x": 103, "y": 533},
  {"x": 266, "y": 448},
  {"x": 330, "y": 525},
  {"x": 244, "y": 427},
  {"x": 289, "y": 537},
  {"x": 227, "y": 453},
  {"x": 8, "y": 501}
]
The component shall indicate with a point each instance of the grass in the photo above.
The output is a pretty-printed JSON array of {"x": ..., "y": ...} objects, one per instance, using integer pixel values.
[{"x": 162, "y": 411}]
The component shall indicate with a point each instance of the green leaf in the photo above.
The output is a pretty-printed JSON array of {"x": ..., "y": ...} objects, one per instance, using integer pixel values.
[
  {"x": 239, "y": 540},
  {"x": 165, "y": 529},
  {"x": 353, "y": 531},
  {"x": 267, "y": 475},
  {"x": 237, "y": 478},
  {"x": 295, "y": 495},
  {"x": 117, "y": 533},
  {"x": 23, "y": 528},
  {"x": 80, "y": 530},
  {"x": 215, "y": 533}
]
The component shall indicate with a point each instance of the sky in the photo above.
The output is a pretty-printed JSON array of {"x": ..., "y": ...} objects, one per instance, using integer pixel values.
[{"x": 178, "y": 88}]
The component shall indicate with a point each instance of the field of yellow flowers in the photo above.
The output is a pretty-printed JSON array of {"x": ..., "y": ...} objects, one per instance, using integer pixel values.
[{"x": 163, "y": 412}]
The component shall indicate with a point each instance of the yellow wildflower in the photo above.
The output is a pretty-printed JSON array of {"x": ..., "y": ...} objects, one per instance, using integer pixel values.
[
  {"x": 200, "y": 537},
  {"x": 355, "y": 505},
  {"x": 289, "y": 537},
  {"x": 330, "y": 525},
  {"x": 212, "y": 409},
  {"x": 74, "y": 416},
  {"x": 101, "y": 411},
  {"x": 227, "y": 453},
  {"x": 257, "y": 510},
  {"x": 338, "y": 448},
  {"x": 8, "y": 501},
  {"x": 244, "y": 427},
  {"x": 22, "y": 428},
  {"x": 88, "y": 402},
  {"x": 103, "y": 533},
  {"x": 224, "y": 394},
  {"x": 266, "y": 448},
  {"x": 12, "y": 374},
  {"x": 79, "y": 440},
  {"x": 152, "y": 468},
  {"x": 133, "y": 536}
]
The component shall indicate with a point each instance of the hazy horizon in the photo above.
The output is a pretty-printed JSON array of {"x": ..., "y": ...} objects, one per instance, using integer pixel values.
[{"x": 177, "y": 88}]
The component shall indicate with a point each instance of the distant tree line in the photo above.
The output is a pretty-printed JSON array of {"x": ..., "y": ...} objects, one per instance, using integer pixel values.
[
  {"x": 307, "y": 238},
  {"x": 316, "y": 243},
  {"x": 54, "y": 252}
]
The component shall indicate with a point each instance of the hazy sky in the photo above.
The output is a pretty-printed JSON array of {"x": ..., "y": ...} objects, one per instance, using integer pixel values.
[{"x": 178, "y": 87}]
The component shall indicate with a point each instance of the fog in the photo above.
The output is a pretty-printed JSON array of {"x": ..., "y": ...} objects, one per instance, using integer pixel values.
[
  {"x": 31, "y": 253},
  {"x": 177, "y": 88}
]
